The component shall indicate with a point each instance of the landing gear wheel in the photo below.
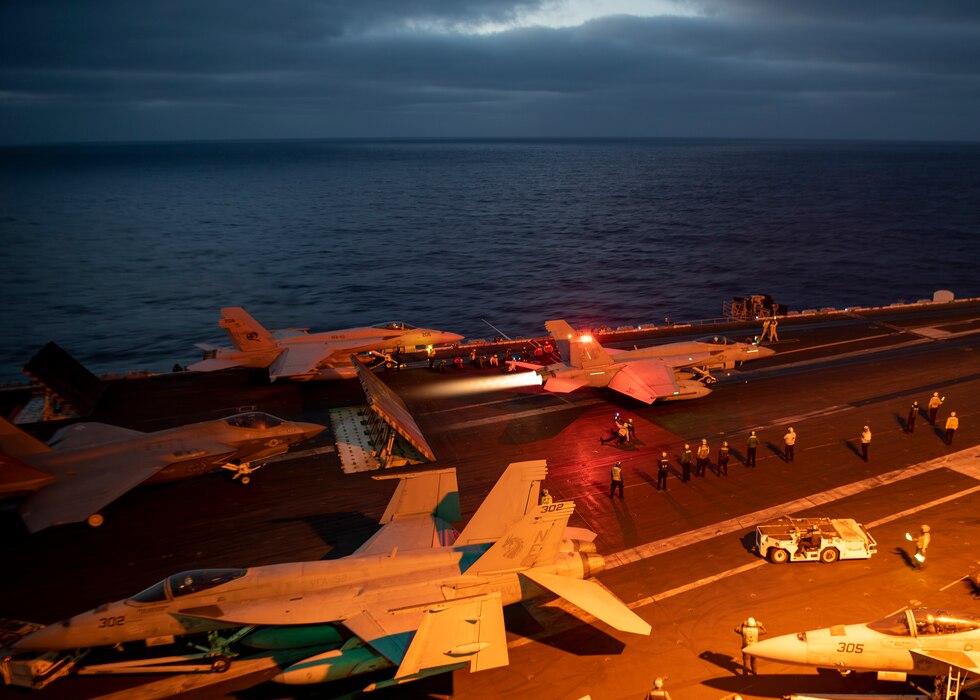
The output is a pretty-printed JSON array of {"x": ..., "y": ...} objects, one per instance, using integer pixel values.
[
  {"x": 829, "y": 555},
  {"x": 246, "y": 479},
  {"x": 220, "y": 664},
  {"x": 778, "y": 556},
  {"x": 95, "y": 520}
]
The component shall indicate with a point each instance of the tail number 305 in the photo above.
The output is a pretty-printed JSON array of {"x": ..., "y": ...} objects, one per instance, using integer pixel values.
[{"x": 850, "y": 648}]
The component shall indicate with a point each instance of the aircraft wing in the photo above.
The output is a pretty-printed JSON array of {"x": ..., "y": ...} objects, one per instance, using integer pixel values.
[
  {"x": 456, "y": 631},
  {"x": 418, "y": 514},
  {"x": 631, "y": 381},
  {"x": 969, "y": 661},
  {"x": 297, "y": 360},
  {"x": 593, "y": 599},
  {"x": 82, "y": 435},
  {"x": 78, "y": 494}
]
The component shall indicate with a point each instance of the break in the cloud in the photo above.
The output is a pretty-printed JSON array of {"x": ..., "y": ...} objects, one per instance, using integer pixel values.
[{"x": 118, "y": 70}]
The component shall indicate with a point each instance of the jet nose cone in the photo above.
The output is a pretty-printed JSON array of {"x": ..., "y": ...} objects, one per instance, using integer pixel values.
[
  {"x": 45, "y": 639},
  {"x": 765, "y": 352},
  {"x": 311, "y": 430},
  {"x": 451, "y": 337},
  {"x": 788, "y": 649}
]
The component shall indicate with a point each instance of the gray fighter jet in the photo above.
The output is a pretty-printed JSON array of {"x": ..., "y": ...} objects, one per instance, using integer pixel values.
[
  {"x": 414, "y": 596},
  {"x": 668, "y": 372},
  {"x": 297, "y": 354},
  {"x": 920, "y": 641},
  {"x": 87, "y": 466}
]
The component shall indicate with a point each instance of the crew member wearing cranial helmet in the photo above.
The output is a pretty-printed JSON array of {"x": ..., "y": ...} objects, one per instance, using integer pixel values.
[
  {"x": 952, "y": 423},
  {"x": 750, "y": 631},
  {"x": 658, "y": 691}
]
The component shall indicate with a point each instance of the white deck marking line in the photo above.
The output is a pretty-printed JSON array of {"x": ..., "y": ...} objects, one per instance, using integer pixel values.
[
  {"x": 513, "y": 416},
  {"x": 511, "y": 399},
  {"x": 645, "y": 551},
  {"x": 581, "y": 617},
  {"x": 830, "y": 345}
]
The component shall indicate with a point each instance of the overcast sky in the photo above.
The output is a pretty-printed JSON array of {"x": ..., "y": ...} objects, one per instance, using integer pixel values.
[{"x": 108, "y": 70}]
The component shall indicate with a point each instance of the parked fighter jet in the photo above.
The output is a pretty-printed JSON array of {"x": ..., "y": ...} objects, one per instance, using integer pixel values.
[
  {"x": 87, "y": 466},
  {"x": 923, "y": 641},
  {"x": 295, "y": 353},
  {"x": 412, "y": 596},
  {"x": 669, "y": 372}
]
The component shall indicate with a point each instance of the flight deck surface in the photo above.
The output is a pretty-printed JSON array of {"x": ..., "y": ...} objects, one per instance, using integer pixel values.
[{"x": 681, "y": 559}]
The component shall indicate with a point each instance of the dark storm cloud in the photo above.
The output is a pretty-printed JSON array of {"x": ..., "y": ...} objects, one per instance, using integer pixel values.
[{"x": 238, "y": 69}]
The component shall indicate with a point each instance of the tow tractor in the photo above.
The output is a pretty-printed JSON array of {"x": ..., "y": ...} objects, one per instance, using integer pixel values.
[{"x": 813, "y": 539}]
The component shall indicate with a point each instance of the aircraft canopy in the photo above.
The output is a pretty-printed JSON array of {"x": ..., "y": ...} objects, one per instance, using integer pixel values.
[
  {"x": 253, "y": 421},
  {"x": 716, "y": 340},
  {"x": 187, "y": 582},
  {"x": 395, "y": 326},
  {"x": 927, "y": 621}
]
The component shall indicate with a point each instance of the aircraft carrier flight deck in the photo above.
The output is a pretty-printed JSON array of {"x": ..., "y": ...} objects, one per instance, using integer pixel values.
[{"x": 682, "y": 559}]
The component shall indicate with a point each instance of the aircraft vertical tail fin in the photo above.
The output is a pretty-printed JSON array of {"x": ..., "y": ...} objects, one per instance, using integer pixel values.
[
  {"x": 533, "y": 541},
  {"x": 16, "y": 443},
  {"x": 583, "y": 350},
  {"x": 245, "y": 332},
  {"x": 511, "y": 498}
]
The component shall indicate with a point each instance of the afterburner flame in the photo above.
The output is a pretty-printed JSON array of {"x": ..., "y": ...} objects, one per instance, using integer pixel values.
[{"x": 477, "y": 385}]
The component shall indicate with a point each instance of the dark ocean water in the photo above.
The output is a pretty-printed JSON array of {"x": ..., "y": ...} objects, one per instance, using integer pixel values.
[{"x": 123, "y": 254}]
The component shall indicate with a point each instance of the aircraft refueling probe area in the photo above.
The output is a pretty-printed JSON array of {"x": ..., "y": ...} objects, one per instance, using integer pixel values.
[{"x": 398, "y": 511}]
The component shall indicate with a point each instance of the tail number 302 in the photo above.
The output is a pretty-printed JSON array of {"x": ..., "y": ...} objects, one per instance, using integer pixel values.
[
  {"x": 112, "y": 621},
  {"x": 850, "y": 648}
]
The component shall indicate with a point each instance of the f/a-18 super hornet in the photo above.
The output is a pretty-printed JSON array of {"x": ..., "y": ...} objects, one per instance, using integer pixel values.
[
  {"x": 297, "y": 354},
  {"x": 87, "y": 466},
  {"x": 668, "y": 372},
  {"x": 920, "y": 641},
  {"x": 415, "y": 596}
]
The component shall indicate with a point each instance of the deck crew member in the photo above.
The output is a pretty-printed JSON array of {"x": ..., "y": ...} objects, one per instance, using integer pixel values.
[
  {"x": 865, "y": 442},
  {"x": 952, "y": 423},
  {"x": 751, "y": 446},
  {"x": 658, "y": 692},
  {"x": 663, "y": 467},
  {"x": 703, "y": 453},
  {"x": 790, "y": 439},
  {"x": 913, "y": 414},
  {"x": 687, "y": 457},
  {"x": 922, "y": 541},
  {"x": 616, "y": 479},
  {"x": 934, "y": 403},
  {"x": 750, "y": 631},
  {"x": 430, "y": 353},
  {"x": 723, "y": 458}
]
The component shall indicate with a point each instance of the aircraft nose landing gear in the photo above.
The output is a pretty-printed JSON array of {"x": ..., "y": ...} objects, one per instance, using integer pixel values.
[{"x": 242, "y": 470}]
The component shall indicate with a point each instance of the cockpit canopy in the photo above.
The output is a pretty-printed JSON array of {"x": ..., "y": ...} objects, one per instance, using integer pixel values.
[
  {"x": 716, "y": 340},
  {"x": 395, "y": 326},
  {"x": 253, "y": 421},
  {"x": 187, "y": 582},
  {"x": 927, "y": 621}
]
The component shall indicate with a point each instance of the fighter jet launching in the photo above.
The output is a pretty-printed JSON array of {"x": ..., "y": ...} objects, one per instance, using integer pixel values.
[
  {"x": 923, "y": 641},
  {"x": 414, "y": 596},
  {"x": 669, "y": 372},
  {"x": 297, "y": 354},
  {"x": 87, "y": 466}
]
